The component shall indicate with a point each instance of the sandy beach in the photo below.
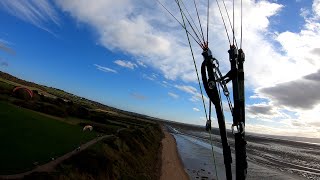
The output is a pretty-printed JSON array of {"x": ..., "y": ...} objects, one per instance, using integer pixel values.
[{"x": 172, "y": 167}]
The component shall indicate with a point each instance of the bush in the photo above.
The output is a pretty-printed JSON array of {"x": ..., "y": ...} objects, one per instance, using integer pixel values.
[
  {"x": 6, "y": 88},
  {"x": 22, "y": 94},
  {"x": 52, "y": 110},
  {"x": 78, "y": 111}
]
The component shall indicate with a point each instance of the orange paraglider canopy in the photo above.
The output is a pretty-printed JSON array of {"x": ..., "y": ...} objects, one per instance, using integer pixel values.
[{"x": 20, "y": 87}]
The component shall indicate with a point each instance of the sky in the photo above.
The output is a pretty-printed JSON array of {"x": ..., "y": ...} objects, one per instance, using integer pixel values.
[{"x": 133, "y": 55}]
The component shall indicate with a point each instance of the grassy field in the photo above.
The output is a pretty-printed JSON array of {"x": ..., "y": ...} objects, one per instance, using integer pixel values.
[
  {"x": 28, "y": 137},
  {"x": 50, "y": 125},
  {"x": 10, "y": 84}
]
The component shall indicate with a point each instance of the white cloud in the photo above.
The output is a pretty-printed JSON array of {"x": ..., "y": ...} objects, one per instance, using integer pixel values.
[
  {"x": 187, "y": 89},
  {"x": 126, "y": 64},
  {"x": 145, "y": 76},
  {"x": 198, "y": 98},
  {"x": 36, "y": 12},
  {"x": 140, "y": 63},
  {"x": 140, "y": 28},
  {"x": 316, "y": 7},
  {"x": 264, "y": 112},
  {"x": 154, "y": 37},
  {"x": 195, "y": 95},
  {"x": 105, "y": 69},
  {"x": 175, "y": 96},
  {"x": 196, "y": 109},
  {"x": 304, "y": 12},
  {"x": 150, "y": 34}
]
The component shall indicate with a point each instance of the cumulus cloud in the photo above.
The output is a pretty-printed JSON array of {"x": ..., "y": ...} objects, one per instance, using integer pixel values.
[
  {"x": 302, "y": 93},
  {"x": 140, "y": 63},
  {"x": 140, "y": 28},
  {"x": 154, "y": 37},
  {"x": 316, "y": 51},
  {"x": 264, "y": 112},
  {"x": 316, "y": 7},
  {"x": 263, "y": 109},
  {"x": 36, "y": 12},
  {"x": 126, "y": 64},
  {"x": 195, "y": 95},
  {"x": 174, "y": 96},
  {"x": 105, "y": 69},
  {"x": 297, "y": 69}
]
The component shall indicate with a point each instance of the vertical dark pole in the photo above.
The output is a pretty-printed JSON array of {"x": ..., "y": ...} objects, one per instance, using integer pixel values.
[
  {"x": 234, "y": 77},
  {"x": 236, "y": 60},
  {"x": 240, "y": 142},
  {"x": 211, "y": 88}
]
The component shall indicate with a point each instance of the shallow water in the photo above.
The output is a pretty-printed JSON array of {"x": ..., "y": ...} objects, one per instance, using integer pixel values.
[
  {"x": 264, "y": 159},
  {"x": 197, "y": 158}
]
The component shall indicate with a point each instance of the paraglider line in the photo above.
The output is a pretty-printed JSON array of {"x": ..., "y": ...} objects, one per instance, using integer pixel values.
[
  {"x": 208, "y": 24},
  {"x": 184, "y": 27},
  {"x": 241, "y": 28},
  {"x": 201, "y": 33},
  {"x": 190, "y": 24},
  {"x": 225, "y": 27},
  {"x": 225, "y": 7},
  {"x": 195, "y": 65},
  {"x": 195, "y": 5}
]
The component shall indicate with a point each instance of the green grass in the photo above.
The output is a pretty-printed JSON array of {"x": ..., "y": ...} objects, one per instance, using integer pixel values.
[
  {"x": 9, "y": 82},
  {"x": 132, "y": 154},
  {"x": 28, "y": 137}
]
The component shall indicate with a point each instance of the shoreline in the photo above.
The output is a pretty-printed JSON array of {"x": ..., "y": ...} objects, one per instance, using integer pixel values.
[{"x": 171, "y": 163}]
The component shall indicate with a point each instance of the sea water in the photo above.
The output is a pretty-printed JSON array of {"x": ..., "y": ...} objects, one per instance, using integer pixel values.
[{"x": 200, "y": 163}]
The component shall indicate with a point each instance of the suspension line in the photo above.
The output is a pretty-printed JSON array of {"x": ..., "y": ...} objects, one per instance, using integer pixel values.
[
  {"x": 184, "y": 27},
  {"x": 194, "y": 62},
  {"x": 225, "y": 27},
  {"x": 195, "y": 5},
  {"x": 200, "y": 33},
  {"x": 208, "y": 24},
  {"x": 225, "y": 7},
  {"x": 241, "y": 28},
  {"x": 199, "y": 39}
]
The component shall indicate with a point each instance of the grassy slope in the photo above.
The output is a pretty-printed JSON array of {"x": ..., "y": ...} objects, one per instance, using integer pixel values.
[
  {"x": 131, "y": 154},
  {"x": 28, "y": 137}
]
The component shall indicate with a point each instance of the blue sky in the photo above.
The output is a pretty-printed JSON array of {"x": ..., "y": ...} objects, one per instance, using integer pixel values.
[{"x": 132, "y": 55}]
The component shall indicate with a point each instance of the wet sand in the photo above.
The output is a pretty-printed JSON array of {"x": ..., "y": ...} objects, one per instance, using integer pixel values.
[
  {"x": 172, "y": 167},
  {"x": 268, "y": 158}
]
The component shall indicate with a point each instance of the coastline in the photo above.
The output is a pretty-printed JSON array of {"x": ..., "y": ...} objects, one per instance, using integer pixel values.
[{"x": 172, "y": 166}]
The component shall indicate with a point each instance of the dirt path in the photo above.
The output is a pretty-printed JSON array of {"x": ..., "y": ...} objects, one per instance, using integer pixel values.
[
  {"x": 49, "y": 167},
  {"x": 172, "y": 167}
]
